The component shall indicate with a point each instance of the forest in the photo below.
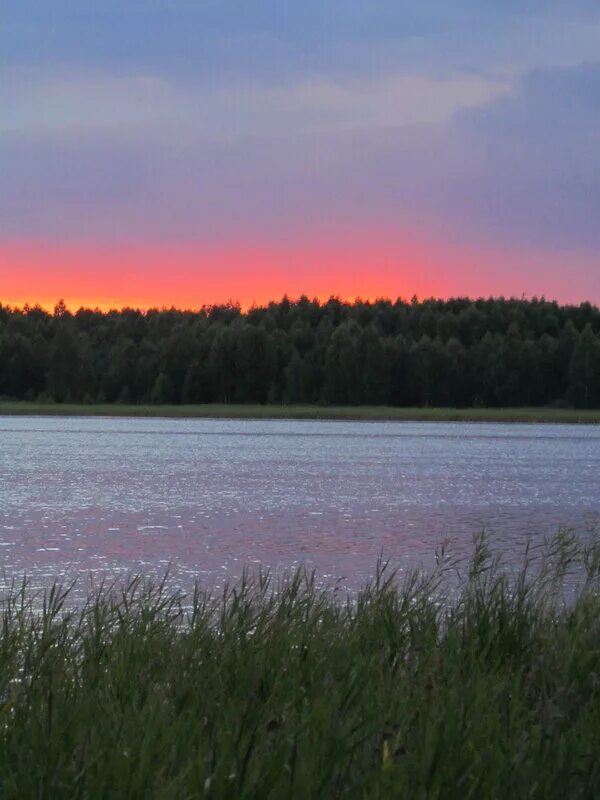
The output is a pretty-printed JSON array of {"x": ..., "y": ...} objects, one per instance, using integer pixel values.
[{"x": 458, "y": 352}]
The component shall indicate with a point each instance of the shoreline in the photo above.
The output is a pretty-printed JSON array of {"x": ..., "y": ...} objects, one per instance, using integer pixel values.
[{"x": 307, "y": 412}]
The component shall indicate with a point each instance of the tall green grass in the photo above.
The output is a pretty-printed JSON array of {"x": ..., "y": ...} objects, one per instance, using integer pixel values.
[{"x": 281, "y": 689}]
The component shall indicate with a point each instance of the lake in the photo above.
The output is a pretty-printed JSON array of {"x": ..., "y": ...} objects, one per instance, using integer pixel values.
[{"x": 108, "y": 496}]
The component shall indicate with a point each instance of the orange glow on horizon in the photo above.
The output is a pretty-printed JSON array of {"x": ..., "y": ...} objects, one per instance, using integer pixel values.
[
  {"x": 253, "y": 274},
  {"x": 189, "y": 277}
]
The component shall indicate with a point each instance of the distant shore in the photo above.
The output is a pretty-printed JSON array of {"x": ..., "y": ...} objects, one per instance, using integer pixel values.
[{"x": 365, "y": 413}]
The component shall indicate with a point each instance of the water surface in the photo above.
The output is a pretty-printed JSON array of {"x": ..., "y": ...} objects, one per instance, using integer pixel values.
[{"x": 109, "y": 496}]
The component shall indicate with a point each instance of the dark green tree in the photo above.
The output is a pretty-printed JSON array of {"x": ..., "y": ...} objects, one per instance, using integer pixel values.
[
  {"x": 584, "y": 371},
  {"x": 162, "y": 391}
]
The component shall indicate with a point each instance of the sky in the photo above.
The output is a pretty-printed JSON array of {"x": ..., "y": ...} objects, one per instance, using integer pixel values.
[{"x": 188, "y": 152}]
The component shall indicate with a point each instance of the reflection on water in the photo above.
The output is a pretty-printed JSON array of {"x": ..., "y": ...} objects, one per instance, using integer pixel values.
[{"x": 207, "y": 497}]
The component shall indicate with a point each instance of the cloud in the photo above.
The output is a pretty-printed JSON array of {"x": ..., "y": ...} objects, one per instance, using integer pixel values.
[
  {"x": 35, "y": 101},
  {"x": 265, "y": 38},
  {"x": 534, "y": 171},
  {"x": 151, "y": 159},
  {"x": 99, "y": 155}
]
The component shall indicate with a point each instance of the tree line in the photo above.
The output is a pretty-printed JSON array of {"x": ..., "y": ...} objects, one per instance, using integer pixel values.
[{"x": 458, "y": 352}]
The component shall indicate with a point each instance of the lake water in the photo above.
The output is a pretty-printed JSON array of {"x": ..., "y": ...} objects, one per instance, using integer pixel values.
[{"x": 111, "y": 496}]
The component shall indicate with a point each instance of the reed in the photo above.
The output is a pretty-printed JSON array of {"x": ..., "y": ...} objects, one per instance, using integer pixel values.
[{"x": 425, "y": 686}]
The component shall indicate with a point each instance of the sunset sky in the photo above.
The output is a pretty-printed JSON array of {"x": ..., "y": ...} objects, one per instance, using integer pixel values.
[{"x": 158, "y": 152}]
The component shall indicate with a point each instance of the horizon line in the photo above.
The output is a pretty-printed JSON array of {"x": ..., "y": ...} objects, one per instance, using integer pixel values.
[{"x": 74, "y": 307}]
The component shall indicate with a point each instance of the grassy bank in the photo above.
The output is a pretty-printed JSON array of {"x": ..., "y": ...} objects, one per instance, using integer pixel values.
[
  {"x": 373, "y": 413},
  {"x": 280, "y": 691}
]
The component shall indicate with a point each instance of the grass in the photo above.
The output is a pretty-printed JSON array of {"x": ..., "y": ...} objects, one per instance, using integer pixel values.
[
  {"x": 372, "y": 413},
  {"x": 278, "y": 690}
]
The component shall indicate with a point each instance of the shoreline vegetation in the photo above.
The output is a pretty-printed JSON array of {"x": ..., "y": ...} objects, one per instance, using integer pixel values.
[
  {"x": 491, "y": 353},
  {"x": 307, "y": 412},
  {"x": 283, "y": 689}
]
